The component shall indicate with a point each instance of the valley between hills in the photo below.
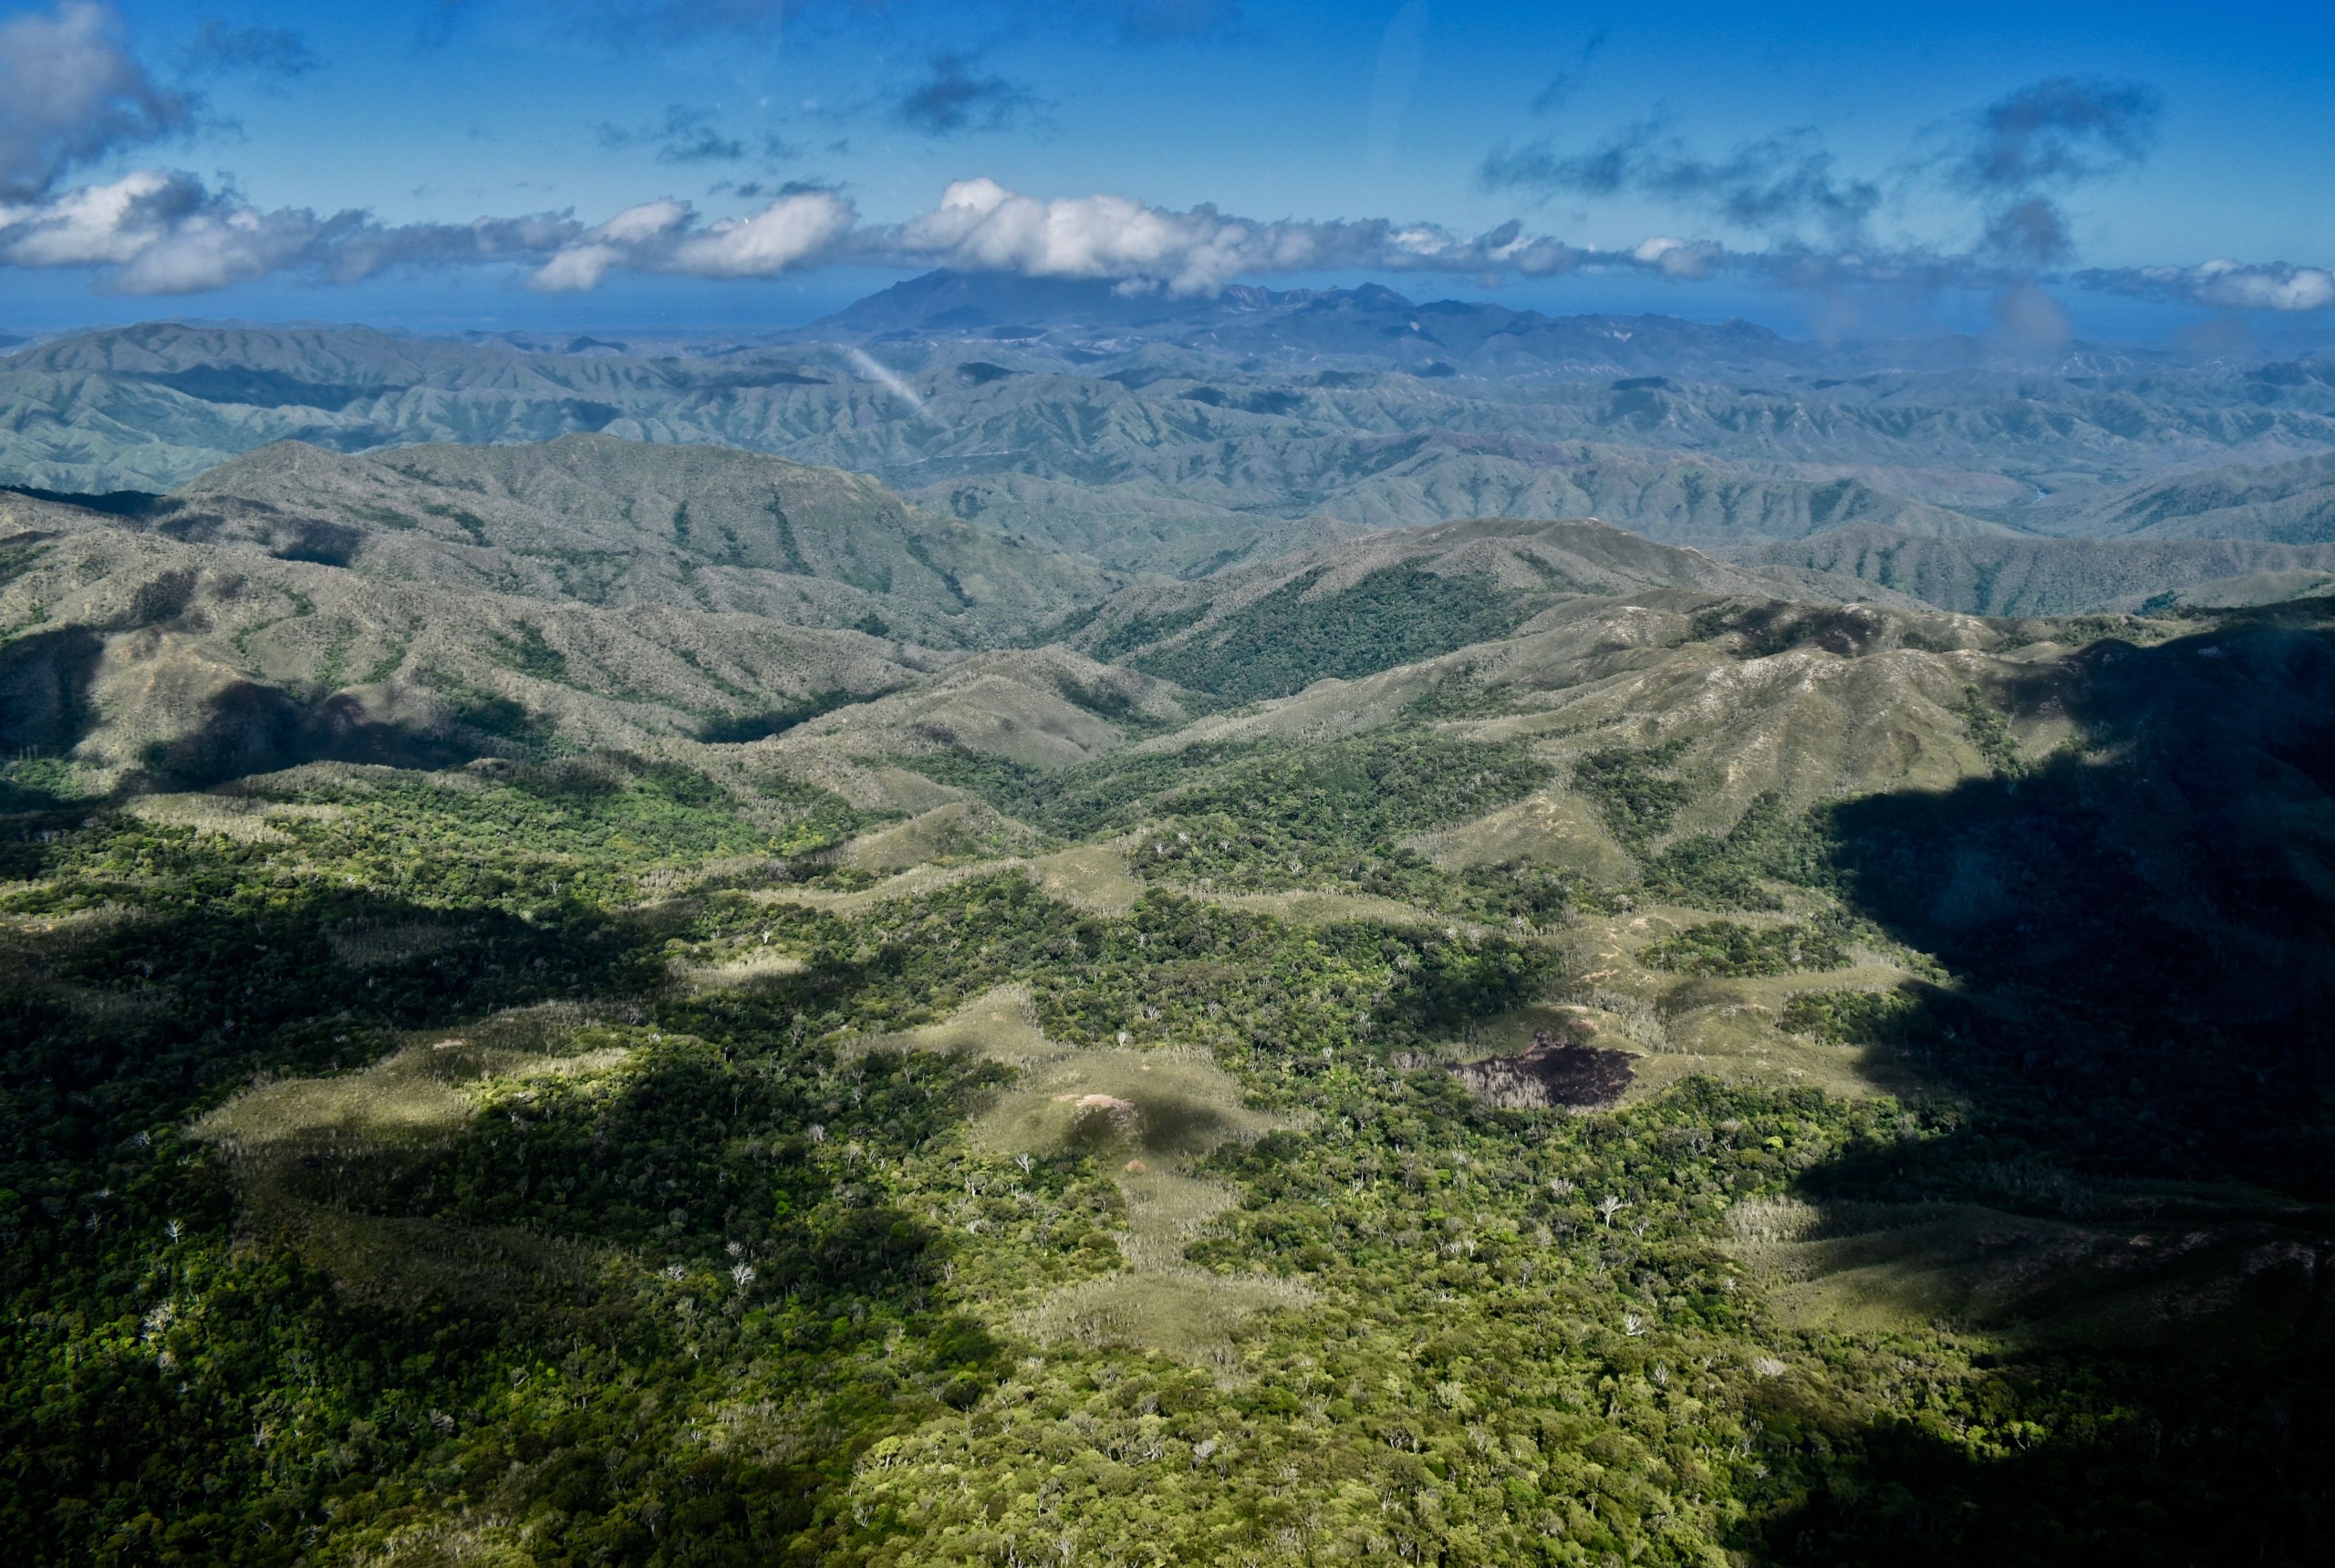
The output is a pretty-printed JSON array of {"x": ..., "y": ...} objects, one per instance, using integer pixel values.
[{"x": 1168, "y": 952}]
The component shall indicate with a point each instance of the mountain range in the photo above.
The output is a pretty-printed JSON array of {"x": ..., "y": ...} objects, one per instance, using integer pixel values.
[
  {"x": 1179, "y": 446},
  {"x": 1099, "y": 947}
]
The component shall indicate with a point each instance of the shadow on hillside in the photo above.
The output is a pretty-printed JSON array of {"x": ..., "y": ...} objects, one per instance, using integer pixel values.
[
  {"x": 46, "y": 680},
  {"x": 48, "y": 708},
  {"x": 743, "y": 729},
  {"x": 251, "y": 728},
  {"x": 2161, "y": 1393},
  {"x": 2128, "y": 1461},
  {"x": 2147, "y": 931},
  {"x": 450, "y": 1248},
  {"x": 2144, "y": 941},
  {"x": 120, "y": 1024}
]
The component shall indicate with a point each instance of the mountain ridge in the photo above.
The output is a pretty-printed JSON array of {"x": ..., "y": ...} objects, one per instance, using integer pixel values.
[
  {"x": 604, "y": 521},
  {"x": 2033, "y": 576}
]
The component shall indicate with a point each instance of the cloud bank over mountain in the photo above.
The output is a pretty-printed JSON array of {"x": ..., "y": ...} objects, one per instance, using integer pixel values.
[
  {"x": 155, "y": 231},
  {"x": 75, "y": 97}
]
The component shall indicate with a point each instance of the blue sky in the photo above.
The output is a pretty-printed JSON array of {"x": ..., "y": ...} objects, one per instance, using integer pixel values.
[{"x": 485, "y": 162}]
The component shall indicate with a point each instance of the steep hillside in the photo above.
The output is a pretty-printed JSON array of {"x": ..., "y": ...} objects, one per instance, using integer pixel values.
[
  {"x": 1268, "y": 629},
  {"x": 2016, "y": 576},
  {"x": 2289, "y": 503},
  {"x": 615, "y": 523},
  {"x": 1138, "y": 526},
  {"x": 1043, "y": 709},
  {"x": 1403, "y": 483},
  {"x": 132, "y": 661}
]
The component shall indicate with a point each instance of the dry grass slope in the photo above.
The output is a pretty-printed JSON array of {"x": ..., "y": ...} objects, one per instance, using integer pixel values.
[
  {"x": 2024, "y": 1281},
  {"x": 1146, "y": 1114},
  {"x": 293, "y": 1142}
]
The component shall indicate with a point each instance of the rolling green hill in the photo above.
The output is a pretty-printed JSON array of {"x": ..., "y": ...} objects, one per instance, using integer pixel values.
[
  {"x": 1353, "y": 609},
  {"x": 1616, "y": 1052}
]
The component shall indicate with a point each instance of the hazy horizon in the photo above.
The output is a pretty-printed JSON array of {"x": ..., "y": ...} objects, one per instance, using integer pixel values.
[{"x": 588, "y": 164}]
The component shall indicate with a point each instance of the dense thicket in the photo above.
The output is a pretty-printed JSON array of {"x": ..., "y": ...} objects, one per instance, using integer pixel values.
[{"x": 697, "y": 1270}]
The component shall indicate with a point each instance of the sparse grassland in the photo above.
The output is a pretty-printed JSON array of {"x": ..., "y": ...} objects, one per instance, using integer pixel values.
[{"x": 1144, "y": 1117}]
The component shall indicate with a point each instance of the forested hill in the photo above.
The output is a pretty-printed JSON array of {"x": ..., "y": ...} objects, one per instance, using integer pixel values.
[
  {"x": 1353, "y": 609},
  {"x": 1503, "y": 1043}
]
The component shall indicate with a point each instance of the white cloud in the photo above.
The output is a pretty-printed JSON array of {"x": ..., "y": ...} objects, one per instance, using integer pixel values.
[
  {"x": 218, "y": 246},
  {"x": 96, "y": 225},
  {"x": 71, "y": 92},
  {"x": 2243, "y": 288},
  {"x": 802, "y": 227},
  {"x": 980, "y": 225},
  {"x": 2224, "y": 284},
  {"x": 578, "y": 269},
  {"x": 1679, "y": 258},
  {"x": 161, "y": 233},
  {"x": 789, "y": 232},
  {"x": 154, "y": 232}
]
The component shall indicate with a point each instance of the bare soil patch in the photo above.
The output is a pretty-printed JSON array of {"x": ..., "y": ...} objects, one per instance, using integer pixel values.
[{"x": 1556, "y": 1071}]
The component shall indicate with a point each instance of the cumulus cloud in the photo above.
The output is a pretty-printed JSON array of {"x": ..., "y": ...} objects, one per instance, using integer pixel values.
[
  {"x": 70, "y": 93},
  {"x": 950, "y": 100},
  {"x": 153, "y": 231},
  {"x": 1679, "y": 258},
  {"x": 219, "y": 49},
  {"x": 980, "y": 225},
  {"x": 158, "y": 233},
  {"x": 161, "y": 233},
  {"x": 2224, "y": 284},
  {"x": 800, "y": 228}
]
